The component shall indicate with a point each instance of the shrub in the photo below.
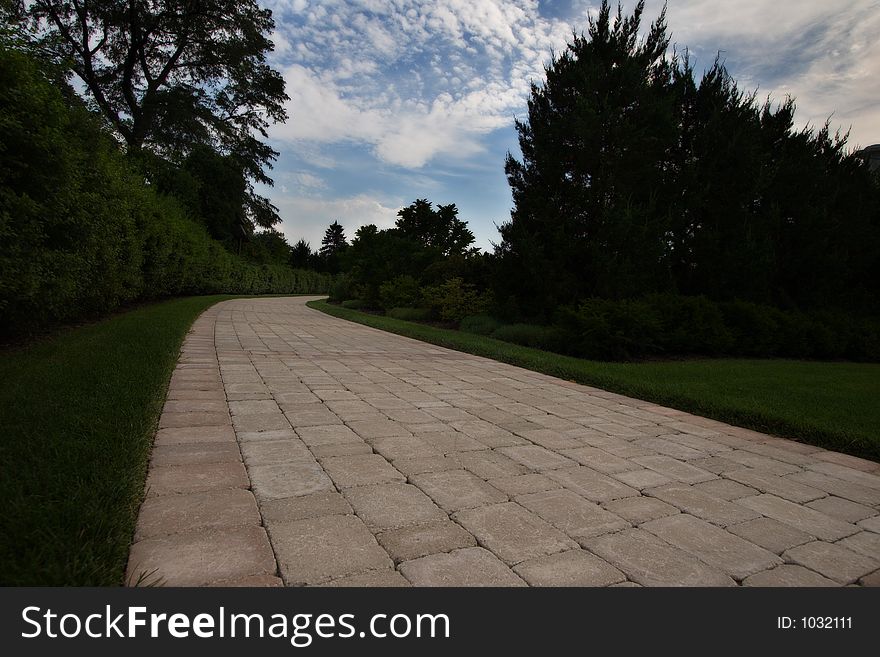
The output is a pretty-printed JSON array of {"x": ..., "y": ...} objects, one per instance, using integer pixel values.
[
  {"x": 454, "y": 300},
  {"x": 479, "y": 324},
  {"x": 355, "y": 304},
  {"x": 343, "y": 288},
  {"x": 689, "y": 325},
  {"x": 410, "y": 314},
  {"x": 614, "y": 330},
  {"x": 400, "y": 292},
  {"x": 549, "y": 338},
  {"x": 81, "y": 232}
]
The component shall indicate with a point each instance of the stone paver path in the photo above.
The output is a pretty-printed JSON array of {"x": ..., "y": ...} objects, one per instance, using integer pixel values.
[{"x": 300, "y": 449}]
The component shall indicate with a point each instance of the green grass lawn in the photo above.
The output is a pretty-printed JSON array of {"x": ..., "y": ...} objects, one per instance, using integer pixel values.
[
  {"x": 835, "y": 405},
  {"x": 79, "y": 411}
]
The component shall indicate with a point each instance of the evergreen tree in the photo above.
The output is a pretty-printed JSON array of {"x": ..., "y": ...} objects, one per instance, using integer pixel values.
[
  {"x": 440, "y": 229},
  {"x": 594, "y": 168},
  {"x": 332, "y": 246}
]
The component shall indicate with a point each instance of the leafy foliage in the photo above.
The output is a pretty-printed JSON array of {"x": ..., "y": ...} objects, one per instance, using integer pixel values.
[
  {"x": 439, "y": 229},
  {"x": 636, "y": 178},
  {"x": 83, "y": 234},
  {"x": 454, "y": 300},
  {"x": 400, "y": 292},
  {"x": 170, "y": 76}
]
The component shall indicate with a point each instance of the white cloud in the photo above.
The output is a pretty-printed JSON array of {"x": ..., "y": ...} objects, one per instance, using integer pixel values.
[
  {"x": 418, "y": 79},
  {"x": 412, "y": 79},
  {"x": 307, "y": 217}
]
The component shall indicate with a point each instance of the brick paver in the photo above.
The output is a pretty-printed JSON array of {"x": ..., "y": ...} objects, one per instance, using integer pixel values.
[{"x": 299, "y": 449}]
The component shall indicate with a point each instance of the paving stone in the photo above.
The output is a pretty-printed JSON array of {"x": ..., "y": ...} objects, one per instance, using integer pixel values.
[
  {"x": 272, "y": 452},
  {"x": 272, "y": 482},
  {"x": 871, "y": 580},
  {"x": 726, "y": 489},
  {"x": 703, "y": 505},
  {"x": 410, "y": 543},
  {"x": 329, "y": 434},
  {"x": 788, "y": 575},
  {"x": 762, "y": 463},
  {"x": 600, "y": 460},
  {"x": 323, "y": 503},
  {"x": 403, "y": 447},
  {"x": 522, "y": 484},
  {"x": 195, "y": 406},
  {"x": 838, "y": 487},
  {"x": 173, "y": 514},
  {"x": 259, "y": 436},
  {"x": 871, "y": 524},
  {"x": 572, "y": 514},
  {"x": 213, "y": 434},
  {"x": 640, "y": 509},
  {"x": 550, "y": 439},
  {"x": 717, "y": 464},
  {"x": 345, "y": 449},
  {"x": 713, "y": 545},
  {"x": 593, "y": 485},
  {"x": 670, "y": 448},
  {"x": 642, "y": 478},
  {"x": 390, "y": 506},
  {"x": 311, "y": 418},
  {"x": 867, "y": 543},
  {"x": 674, "y": 469},
  {"x": 833, "y": 560},
  {"x": 489, "y": 464},
  {"x": 411, "y": 467},
  {"x": 200, "y": 557},
  {"x": 378, "y": 429},
  {"x": 536, "y": 458},
  {"x": 253, "y": 407},
  {"x": 175, "y": 479},
  {"x": 800, "y": 517},
  {"x": 260, "y": 422},
  {"x": 466, "y": 567},
  {"x": 457, "y": 489},
  {"x": 775, "y": 485},
  {"x": 217, "y": 395},
  {"x": 192, "y": 453},
  {"x": 513, "y": 533},
  {"x": 385, "y": 578},
  {"x": 771, "y": 534},
  {"x": 850, "y": 462},
  {"x": 314, "y": 550},
  {"x": 647, "y": 560},
  {"x": 360, "y": 470},
  {"x": 252, "y": 581},
  {"x": 837, "y": 507},
  {"x": 553, "y": 443},
  {"x": 573, "y": 568}
]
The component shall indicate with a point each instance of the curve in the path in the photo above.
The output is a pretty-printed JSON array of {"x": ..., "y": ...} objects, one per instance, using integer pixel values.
[{"x": 296, "y": 448}]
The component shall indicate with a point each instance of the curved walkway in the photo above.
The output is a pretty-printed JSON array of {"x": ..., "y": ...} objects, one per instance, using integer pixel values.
[{"x": 296, "y": 448}]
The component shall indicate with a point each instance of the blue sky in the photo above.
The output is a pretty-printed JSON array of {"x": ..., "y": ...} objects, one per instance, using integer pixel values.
[{"x": 393, "y": 100}]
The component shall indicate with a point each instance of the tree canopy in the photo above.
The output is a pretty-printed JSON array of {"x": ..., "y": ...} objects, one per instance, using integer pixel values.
[
  {"x": 638, "y": 178},
  {"x": 440, "y": 229},
  {"x": 169, "y": 75}
]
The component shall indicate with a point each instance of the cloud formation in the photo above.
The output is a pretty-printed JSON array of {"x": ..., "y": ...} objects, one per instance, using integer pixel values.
[{"x": 387, "y": 90}]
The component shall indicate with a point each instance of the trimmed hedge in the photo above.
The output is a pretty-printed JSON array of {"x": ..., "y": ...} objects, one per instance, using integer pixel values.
[
  {"x": 670, "y": 325},
  {"x": 82, "y": 233}
]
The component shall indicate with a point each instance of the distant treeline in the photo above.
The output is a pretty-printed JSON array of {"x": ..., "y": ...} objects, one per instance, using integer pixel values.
[{"x": 86, "y": 228}]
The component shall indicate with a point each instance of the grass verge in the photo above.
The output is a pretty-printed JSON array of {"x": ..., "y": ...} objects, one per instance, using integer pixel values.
[
  {"x": 833, "y": 405},
  {"x": 79, "y": 412}
]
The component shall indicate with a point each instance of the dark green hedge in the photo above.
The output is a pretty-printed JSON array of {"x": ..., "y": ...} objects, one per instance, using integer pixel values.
[
  {"x": 81, "y": 231},
  {"x": 671, "y": 325}
]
